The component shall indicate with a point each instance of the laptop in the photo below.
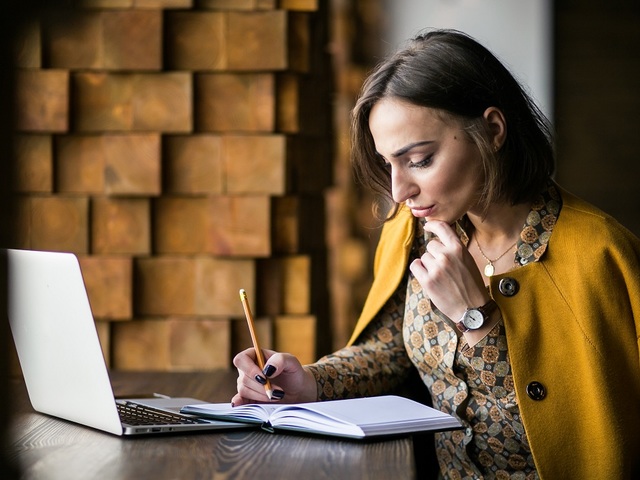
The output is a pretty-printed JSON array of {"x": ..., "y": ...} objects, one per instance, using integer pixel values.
[{"x": 60, "y": 355}]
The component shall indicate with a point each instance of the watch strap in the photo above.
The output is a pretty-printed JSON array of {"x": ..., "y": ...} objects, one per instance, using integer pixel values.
[{"x": 488, "y": 308}]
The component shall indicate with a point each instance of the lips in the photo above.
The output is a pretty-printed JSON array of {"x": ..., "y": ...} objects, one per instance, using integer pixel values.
[{"x": 421, "y": 211}]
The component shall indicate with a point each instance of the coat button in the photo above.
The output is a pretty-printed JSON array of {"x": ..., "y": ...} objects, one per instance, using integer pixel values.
[
  {"x": 536, "y": 391},
  {"x": 508, "y": 286}
]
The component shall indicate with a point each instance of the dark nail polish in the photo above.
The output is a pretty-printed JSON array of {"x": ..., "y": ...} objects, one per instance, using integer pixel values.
[
  {"x": 269, "y": 370},
  {"x": 233, "y": 404},
  {"x": 261, "y": 380},
  {"x": 277, "y": 394}
]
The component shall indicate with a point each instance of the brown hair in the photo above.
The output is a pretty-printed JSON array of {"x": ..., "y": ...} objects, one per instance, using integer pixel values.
[{"x": 449, "y": 71}]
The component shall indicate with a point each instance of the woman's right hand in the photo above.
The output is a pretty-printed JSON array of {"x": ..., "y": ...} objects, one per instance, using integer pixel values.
[{"x": 289, "y": 379}]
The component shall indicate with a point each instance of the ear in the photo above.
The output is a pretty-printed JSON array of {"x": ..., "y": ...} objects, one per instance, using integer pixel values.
[{"x": 497, "y": 126}]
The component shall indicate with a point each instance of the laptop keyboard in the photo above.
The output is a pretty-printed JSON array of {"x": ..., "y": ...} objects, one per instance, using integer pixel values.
[{"x": 134, "y": 414}]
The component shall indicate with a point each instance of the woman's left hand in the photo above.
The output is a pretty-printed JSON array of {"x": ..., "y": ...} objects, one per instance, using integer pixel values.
[{"x": 448, "y": 273}]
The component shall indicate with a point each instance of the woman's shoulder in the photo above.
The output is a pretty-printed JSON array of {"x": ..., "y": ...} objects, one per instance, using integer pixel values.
[
  {"x": 579, "y": 205},
  {"x": 582, "y": 221}
]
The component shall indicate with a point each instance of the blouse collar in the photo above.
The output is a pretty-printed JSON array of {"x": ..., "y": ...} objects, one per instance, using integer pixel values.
[{"x": 537, "y": 228}]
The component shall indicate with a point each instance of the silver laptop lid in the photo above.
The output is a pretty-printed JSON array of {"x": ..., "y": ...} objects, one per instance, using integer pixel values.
[{"x": 56, "y": 339}]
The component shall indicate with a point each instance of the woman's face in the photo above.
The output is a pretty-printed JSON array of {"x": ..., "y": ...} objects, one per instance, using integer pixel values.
[{"x": 435, "y": 169}]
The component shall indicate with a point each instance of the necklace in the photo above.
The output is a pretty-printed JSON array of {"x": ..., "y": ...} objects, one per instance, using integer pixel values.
[{"x": 489, "y": 269}]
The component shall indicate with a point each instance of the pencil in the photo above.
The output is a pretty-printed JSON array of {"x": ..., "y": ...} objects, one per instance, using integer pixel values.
[{"x": 254, "y": 338}]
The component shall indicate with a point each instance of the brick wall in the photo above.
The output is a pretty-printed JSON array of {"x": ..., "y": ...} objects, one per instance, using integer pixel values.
[{"x": 183, "y": 150}]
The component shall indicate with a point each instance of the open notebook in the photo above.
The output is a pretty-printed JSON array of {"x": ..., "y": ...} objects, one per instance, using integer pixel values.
[
  {"x": 352, "y": 418},
  {"x": 60, "y": 355}
]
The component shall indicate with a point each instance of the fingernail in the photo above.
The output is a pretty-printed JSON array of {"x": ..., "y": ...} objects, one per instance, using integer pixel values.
[
  {"x": 269, "y": 370},
  {"x": 233, "y": 404},
  {"x": 277, "y": 394},
  {"x": 261, "y": 380}
]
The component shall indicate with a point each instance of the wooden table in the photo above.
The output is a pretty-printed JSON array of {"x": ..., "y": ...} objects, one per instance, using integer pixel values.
[{"x": 49, "y": 448}]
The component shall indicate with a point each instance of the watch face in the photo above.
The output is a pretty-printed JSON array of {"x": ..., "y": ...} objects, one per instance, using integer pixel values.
[{"x": 473, "y": 319}]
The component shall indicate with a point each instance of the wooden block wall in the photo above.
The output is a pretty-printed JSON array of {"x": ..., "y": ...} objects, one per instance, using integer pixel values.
[
  {"x": 182, "y": 149},
  {"x": 352, "y": 230}
]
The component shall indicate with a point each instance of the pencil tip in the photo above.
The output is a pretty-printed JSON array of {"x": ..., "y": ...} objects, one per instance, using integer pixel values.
[
  {"x": 269, "y": 393},
  {"x": 242, "y": 293}
]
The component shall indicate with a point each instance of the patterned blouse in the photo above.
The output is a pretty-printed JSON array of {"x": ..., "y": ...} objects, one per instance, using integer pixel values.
[{"x": 473, "y": 384}]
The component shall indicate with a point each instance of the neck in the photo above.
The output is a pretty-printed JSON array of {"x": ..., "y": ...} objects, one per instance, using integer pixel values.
[
  {"x": 495, "y": 236},
  {"x": 499, "y": 227}
]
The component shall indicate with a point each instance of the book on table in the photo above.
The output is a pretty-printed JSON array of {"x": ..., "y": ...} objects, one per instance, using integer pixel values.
[{"x": 352, "y": 418}]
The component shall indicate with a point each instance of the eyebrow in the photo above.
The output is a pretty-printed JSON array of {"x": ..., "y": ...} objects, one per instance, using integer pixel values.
[{"x": 406, "y": 148}]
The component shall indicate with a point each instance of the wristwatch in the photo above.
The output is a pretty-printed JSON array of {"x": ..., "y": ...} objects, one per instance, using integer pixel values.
[{"x": 474, "y": 318}]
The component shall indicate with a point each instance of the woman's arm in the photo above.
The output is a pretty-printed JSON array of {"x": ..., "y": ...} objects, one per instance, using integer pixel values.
[{"x": 376, "y": 364}]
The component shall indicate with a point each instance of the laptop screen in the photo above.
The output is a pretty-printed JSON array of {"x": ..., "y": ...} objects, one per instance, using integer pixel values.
[{"x": 56, "y": 339}]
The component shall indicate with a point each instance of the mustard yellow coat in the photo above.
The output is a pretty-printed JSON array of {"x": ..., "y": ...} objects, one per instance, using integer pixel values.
[{"x": 572, "y": 326}]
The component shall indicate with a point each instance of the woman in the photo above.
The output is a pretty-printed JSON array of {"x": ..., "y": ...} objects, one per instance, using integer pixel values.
[{"x": 516, "y": 302}]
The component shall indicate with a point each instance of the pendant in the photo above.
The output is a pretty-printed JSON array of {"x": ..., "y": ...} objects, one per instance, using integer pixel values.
[{"x": 489, "y": 270}]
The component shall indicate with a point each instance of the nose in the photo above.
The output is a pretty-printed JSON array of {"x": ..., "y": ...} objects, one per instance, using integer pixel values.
[{"x": 402, "y": 185}]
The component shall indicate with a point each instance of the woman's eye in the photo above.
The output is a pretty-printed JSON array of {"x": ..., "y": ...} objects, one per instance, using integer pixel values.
[{"x": 425, "y": 162}]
